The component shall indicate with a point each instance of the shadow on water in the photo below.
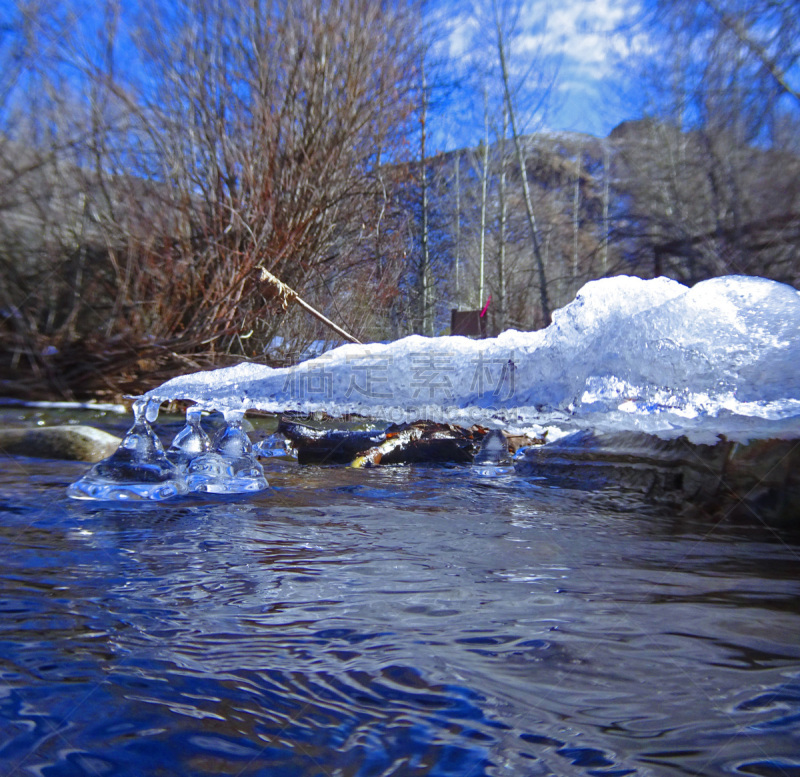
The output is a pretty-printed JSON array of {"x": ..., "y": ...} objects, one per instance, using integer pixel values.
[{"x": 396, "y": 621}]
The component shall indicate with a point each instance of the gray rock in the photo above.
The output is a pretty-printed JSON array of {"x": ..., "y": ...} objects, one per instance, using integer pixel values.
[
  {"x": 758, "y": 481},
  {"x": 74, "y": 442},
  {"x": 633, "y": 460}
]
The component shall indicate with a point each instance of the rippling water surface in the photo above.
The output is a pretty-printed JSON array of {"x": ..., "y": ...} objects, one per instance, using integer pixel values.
[{"x": 397, "y": 621}]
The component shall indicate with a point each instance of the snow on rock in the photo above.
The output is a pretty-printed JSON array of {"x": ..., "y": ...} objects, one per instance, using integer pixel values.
[{"x": 722, "y": 357}]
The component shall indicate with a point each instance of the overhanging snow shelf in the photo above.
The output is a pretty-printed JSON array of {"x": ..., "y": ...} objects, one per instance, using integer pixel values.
[{"x": 720, "y": 358}]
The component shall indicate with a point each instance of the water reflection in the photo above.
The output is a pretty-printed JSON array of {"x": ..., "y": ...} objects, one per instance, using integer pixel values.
[{"x": 404, "y": 621}]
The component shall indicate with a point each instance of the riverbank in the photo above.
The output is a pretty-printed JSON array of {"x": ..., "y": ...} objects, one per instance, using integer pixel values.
[{"x": 756, "y": 482}]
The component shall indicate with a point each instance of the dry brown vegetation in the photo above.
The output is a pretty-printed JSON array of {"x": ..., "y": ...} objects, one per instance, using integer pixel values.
[{"x": 153, "y": 159}]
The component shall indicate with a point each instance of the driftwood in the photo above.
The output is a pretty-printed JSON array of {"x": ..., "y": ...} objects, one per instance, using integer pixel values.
[
  {"x": 286, "y": 294},
  {"x": 331, "y": 446},
  {"x": 423, "y": 442},
  {"x": 420, "y": 442}
]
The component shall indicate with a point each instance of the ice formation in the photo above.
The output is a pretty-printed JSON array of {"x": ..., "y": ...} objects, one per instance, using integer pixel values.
[
  {"x": 141, "y": 470},
  {"x": 721, "y": 357},
  {"x": 229, "y": 466}
]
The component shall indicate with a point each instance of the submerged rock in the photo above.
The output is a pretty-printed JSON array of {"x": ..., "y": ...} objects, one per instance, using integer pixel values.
[
  {"x": 74, "y": 442},
  {"x": 762, "y": 481},
  {"x": 633, "y": 460},
  {"x": 758, "y": 481}
]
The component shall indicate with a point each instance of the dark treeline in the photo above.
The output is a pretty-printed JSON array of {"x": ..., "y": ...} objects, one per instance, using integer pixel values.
[{"x": 153, "y": 158}]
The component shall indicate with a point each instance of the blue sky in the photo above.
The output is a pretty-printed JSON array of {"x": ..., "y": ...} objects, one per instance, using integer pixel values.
[
  {"x": 583, "y": 42},
  {"x": 589, "y": 39},
  {"x": 580, "y": 43}
]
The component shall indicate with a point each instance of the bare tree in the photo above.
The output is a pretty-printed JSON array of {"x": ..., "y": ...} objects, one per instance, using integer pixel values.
[
  {"x": 711, "y": 175},
  {"x": 518, "y": 144},
  {"x": 240, "y": 136},
  {"x": 770, "y": 31},
  {"x": 484, "y": 149},
  {"x": 425, "y": 290},
  {"x": 501, "y": 308}
]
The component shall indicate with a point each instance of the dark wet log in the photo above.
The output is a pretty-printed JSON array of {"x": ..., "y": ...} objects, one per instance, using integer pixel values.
[
  {"x": 419, "y": 442},
  {"x": 424, "y": 442},
  {"x": 331, "y": 446}
]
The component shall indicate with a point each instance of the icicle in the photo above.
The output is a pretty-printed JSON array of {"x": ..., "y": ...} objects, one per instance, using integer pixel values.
[
  {"x": 233, "y": 440},
  {"x": 137, "y": 470},
  {"x": 151, "y": 410},
  {"x": 189, "y": 442},
  {"x": 231, "y": 467},
  {"x": 276, "y": 446}
]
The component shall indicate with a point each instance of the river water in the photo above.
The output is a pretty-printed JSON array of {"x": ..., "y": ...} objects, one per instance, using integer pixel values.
[{"x": 393, "y": 621}]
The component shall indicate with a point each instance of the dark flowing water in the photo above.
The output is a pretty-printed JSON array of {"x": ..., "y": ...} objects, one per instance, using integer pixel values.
[{"x": 397, "y": 621}]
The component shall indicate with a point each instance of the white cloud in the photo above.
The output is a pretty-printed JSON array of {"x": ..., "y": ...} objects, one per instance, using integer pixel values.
[
  {"x": 584, "y": 40},
  {"x": 462, "y": 29},
  {"x": 585, "y": 33}
]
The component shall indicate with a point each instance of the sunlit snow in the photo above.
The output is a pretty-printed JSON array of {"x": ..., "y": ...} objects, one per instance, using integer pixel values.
[{"x": 722, "y": 357}]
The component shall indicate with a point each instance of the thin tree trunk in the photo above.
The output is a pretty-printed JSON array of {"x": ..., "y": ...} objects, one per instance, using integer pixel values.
[
  {"x": 484, "y": 180},
  {"x": 458, "y": 230},
  {"x": 425, "y": 266},
  {"x": 606, "y": 197},
  {"x": 576, "y": 222},
  {"x": 501, "y": 256},
  {"x": 757, "y": 49},
  {"x": 544, "y": 299}
]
